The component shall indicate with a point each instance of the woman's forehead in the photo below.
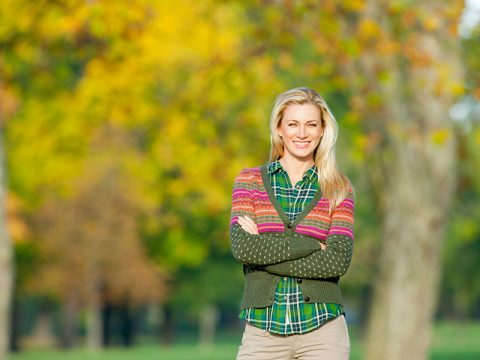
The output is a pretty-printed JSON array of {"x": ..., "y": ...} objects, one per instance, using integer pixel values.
[{"x": 302, "y": 112}]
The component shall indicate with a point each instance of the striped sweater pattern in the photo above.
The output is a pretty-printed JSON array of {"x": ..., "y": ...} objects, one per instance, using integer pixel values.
[{"x": 251, "y": 198}]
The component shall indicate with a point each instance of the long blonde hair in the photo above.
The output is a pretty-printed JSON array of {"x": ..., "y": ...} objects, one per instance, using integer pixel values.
[{"x": 333, "y": 183}]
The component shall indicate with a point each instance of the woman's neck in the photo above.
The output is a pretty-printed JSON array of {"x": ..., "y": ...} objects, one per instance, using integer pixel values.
[{"x": 295, "y": 168}]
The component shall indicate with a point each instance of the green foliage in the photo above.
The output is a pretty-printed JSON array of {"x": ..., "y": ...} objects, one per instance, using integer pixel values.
[
  {"x": 460, "y": 295},
  {"x": 218, "y": 281}
]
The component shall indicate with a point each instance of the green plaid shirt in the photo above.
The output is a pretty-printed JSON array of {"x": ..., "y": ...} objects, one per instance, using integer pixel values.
[{"x": 289, "y": 314}]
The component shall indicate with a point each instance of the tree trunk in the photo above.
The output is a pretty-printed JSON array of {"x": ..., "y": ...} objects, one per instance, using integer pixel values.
[
  {"x": 6, "y": 266},
  {"x": 418, "y": 183},
  {"x": 409, "y": 269},
  {"x": 69, "y": 321},
  {"x": 167, "y": 331},
  {"x": 42, "y": 333},
  {"x": 107, "y": 324},
  {"x": 127, "y": 330},
  {"x": 14, "y": 345},
  {"x": 94, "y": 322},
  {"x": 206, "y": 327}
]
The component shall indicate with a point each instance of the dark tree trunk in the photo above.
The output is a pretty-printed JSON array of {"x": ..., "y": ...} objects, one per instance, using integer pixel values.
[
  {"x": 167, "y": 328},
  {"x": 127, "y": 326},
  {"x": 14, "y": 345},
  {"x": 107, "y": 324}
]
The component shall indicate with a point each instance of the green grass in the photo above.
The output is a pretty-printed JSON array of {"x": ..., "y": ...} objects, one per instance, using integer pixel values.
[
  {"x": 144, "y": 352},
  {"x": 452, "y": 341}
]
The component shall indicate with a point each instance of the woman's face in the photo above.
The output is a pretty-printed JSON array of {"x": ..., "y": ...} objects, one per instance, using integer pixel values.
[{"x": 301, "y": 130}]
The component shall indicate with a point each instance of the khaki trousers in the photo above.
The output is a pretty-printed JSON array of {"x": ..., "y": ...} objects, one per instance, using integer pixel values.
[{"x": 330, "y": 341}]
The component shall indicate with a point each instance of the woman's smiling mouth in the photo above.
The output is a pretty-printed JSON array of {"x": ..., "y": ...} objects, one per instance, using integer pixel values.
[{"x": 301, "y": 144}]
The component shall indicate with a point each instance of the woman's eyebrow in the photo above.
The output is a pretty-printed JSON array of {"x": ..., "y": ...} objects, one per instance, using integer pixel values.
[{"x": 312, "y": 120}]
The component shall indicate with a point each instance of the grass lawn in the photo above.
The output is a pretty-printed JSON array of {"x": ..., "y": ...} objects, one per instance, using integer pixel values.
[{"x": 452, "y": 341}]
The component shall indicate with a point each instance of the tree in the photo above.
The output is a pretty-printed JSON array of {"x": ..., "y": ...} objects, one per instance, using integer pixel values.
[
  {"x": 413, "y": 74},
  {"x": 6, "y": 265},
  {"x": 90, "y": 242},
  {"x": 400, "y": 66}
]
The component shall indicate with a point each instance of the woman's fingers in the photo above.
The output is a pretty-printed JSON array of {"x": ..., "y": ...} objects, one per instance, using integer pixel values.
[
  {"x": 245, "y": 224},
  {"x": 252, "y": 226},
  {"x": 248, "y": 224}
]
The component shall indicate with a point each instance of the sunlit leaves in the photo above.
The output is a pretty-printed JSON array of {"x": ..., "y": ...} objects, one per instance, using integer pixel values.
[{"x": 368, "y": 30}]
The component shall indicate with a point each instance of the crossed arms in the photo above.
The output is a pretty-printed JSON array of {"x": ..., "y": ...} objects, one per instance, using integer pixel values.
[{"x": 296, "y": 255}]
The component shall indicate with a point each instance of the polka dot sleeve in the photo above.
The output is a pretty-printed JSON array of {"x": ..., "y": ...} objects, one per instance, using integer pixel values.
[
  {"x": 332, "y": 262},
  {"x": 336, "y": 258},
  {"x": 265, "y": 248}
]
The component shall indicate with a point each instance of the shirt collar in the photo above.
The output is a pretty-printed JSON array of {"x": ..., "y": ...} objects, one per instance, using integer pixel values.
[
  {"x": 275, "y": 166},
  {"x": 310, "y": 174}
]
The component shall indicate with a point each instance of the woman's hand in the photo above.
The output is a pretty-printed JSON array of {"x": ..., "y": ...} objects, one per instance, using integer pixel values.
[{"x": 248, "y": 224}]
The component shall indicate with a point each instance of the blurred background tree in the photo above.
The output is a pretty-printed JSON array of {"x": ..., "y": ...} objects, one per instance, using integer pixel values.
[
  {"x": 125, "y": 124},
  {"x": 6, "y": 254}
]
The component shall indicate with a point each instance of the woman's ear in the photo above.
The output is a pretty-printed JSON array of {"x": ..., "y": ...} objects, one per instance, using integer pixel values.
[{"x": 279, "y": 132}]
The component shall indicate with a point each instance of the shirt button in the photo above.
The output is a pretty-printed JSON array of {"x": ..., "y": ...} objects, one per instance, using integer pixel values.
[
  {"x": 307, "y": 299},
  {"x": 299, "y": 281},
  {"x": 285, "y": 278}
]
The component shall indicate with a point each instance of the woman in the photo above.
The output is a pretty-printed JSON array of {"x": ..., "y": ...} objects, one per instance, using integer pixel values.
[{"x": 292, "y": 228}]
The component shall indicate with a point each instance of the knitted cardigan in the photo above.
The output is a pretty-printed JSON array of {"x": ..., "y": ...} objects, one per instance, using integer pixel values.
[{"x": 289, "y": 248}]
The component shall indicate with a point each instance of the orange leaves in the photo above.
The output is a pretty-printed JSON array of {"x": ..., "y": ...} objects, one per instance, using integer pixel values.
[
  {"x": 8, "y": 102},
  {"x": 431, "y": 22},
  {"x": 373, "y": 38},
  {"x": 408, "y": 18},
  {"x": 414, "y": 50},
  {"x": 18, "y": 228},
  {"x": 389, "y": 47},
  {"x": 91, "y": 239}
]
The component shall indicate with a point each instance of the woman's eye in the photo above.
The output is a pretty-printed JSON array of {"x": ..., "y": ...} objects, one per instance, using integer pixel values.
[
  {"x": 313, "y": 124},
  {"x": 292, "y": 124}
]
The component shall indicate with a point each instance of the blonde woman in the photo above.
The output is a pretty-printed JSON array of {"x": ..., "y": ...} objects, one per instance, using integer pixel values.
[{"x": 292, "y": 228}]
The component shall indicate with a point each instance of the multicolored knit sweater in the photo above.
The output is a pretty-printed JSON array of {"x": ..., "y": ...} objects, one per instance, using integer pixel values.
[{"x": 289, "y": 248}]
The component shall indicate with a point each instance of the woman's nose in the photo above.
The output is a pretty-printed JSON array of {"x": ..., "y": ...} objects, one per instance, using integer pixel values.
[{"x": 301, "y": 131}]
